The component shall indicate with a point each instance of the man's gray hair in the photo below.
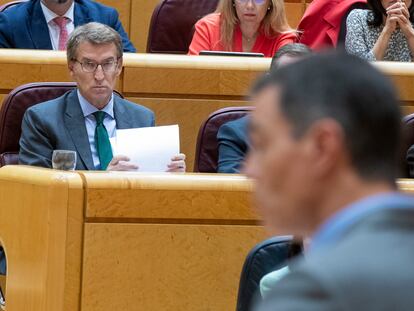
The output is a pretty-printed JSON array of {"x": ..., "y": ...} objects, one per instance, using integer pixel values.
[{"x": 94, "y": 33}]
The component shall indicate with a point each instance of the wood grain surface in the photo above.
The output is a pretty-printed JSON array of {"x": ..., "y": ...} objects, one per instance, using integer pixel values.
[
  {"x": 40, "y": 229},
  {"x": 129, "y": 241},
  {"x": 180, "y": 89}
]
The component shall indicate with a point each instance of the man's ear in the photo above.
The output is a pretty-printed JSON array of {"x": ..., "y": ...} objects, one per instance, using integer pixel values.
[
  {"x": 327, "y": 145},
  {"x": 71, "y": 64},
  {"x": 119, "y": 66}
]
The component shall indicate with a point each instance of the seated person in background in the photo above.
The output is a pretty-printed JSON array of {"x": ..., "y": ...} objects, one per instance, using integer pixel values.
[
  {"x": 258, "y": 26},
  {"x": 410, "y": 161},
  {"x": 46, "y": 24},
  {"x": 232, "y": 136},
  {"x": 385, "y": 32},
  {"x": 320, "y": 172},
  {"x": 320, "y": 26},
  {"x": 82, "y": 120}
]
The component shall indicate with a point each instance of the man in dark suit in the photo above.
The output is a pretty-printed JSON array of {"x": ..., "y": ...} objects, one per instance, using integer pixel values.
[
  {"x": 233, "y": 144},
  {"x": 84, "y": 119},
  {"x": 31, "y": 25},
  {"x": 232, "y": 137},
  {"x": 325, "y": 140}
]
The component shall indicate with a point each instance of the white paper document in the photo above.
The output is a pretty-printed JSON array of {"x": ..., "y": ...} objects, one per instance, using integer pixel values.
[{"x": 151, "y": 148}]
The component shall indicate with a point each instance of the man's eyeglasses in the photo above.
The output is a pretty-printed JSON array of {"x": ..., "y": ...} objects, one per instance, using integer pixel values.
[
  {"x": 258, "y": 2},
  {"x": 89, "y": 66}
]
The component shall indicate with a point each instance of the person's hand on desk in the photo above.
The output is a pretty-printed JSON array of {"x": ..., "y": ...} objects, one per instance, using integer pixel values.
[
  {"x": 121, "y": 163},
  {"x": 177, "y": 163}
]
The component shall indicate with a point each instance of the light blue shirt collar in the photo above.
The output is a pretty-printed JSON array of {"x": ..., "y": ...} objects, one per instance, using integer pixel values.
[
  {"x": 336, "y": 226},
  {"x": 88, "y": 108}
]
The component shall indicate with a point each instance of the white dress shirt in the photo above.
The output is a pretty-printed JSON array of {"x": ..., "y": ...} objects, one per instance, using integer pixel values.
[{"x": 53, "y": 28}]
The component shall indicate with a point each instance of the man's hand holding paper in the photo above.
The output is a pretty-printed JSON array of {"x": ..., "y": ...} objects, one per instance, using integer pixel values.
[{"x": 150, "y": 149}]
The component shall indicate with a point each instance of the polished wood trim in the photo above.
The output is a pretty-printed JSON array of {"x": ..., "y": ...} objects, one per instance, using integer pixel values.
[
  {"x": 206, "y": 198},
  {"x": 164, "y": 267},
  {"x": 60, "y": 259},
  {"x": 406, "y": 185},
  {"x": 35, "y": 57},
  {"x": 395, "y": 68},
  {"x": 100, "y": 240},
  {"x": 41, "y": 233},
  {"x": 170, "y": 61},
  {"x": 176, "y": 86}
]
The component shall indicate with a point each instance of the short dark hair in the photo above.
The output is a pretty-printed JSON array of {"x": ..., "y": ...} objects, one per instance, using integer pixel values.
[
  {"x": 379, "y": 12},
  {"x": 352, "y": 92},
  {"x": 291, "y": 49}
]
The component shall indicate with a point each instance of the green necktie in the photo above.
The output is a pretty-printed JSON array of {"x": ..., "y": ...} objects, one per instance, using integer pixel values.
[{"x": 103, "y": 146}]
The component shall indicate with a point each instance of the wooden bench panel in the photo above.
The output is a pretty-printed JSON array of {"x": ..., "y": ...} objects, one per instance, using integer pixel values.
[
  {"x": 164, "y": 266},
  {"x": 60, "y": 259},
  {"x": 294, "y": 12},
  {"x": 147, "y": 232},
  {"x": 189, "y": 114},
  {"x": 179, "y": 89},
  {"x": 40, "y": 229},
  {"x": 141, "y": 12},
  {"x": 124, "y": 10},
  {"x": 72, "y": 245}
]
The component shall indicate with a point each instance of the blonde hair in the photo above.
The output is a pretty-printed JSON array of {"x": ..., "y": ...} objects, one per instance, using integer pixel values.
[{"x": 273, "y": 23}]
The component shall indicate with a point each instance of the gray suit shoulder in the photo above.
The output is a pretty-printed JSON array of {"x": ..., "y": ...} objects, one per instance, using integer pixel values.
[
  {"x": 372, "y": 268},
  {"x": 48, "y": 112}
]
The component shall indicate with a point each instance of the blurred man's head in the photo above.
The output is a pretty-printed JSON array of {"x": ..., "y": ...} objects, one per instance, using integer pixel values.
[
  {"x": 288, "y": 54},
  {"x": 325, "y": 132}
]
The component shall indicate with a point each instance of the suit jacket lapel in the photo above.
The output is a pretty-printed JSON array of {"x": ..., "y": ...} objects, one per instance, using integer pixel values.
[
  {"x": 38, "y": 29},
  {"x": 121, "y": 116},
  {"x": 75, "y": 123},
  {"x": 81, "y": 14}
]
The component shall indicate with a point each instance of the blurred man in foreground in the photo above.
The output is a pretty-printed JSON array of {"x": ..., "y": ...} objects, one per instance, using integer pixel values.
[{"x": 324, "y": 156}]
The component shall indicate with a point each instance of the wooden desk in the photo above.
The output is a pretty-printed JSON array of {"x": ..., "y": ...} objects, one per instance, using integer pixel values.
[
  {"x": 128, "y": 241},
  {"x": 106, "y": 241},
  {"x": 180, "y": 89}
]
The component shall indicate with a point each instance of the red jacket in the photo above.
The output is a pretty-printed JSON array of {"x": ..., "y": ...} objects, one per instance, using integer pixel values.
[{"x": 321, "y": 22}]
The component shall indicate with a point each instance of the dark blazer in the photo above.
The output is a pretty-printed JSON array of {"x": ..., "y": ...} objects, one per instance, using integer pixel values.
[
  {"x": 232, "y": 145},
  {"x": 24, "y": 26},
  {"x": 371, "y": 268},
  {"x": 410, "y": 161},
  {"x": 2, "y": 262},
  {"x": 60, "y": 124}
]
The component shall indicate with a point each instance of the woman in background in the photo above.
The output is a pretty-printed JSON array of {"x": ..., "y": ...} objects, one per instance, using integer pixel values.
[
  {"x": 385, "y": 32},
  {"x": 258, "y": 26}
]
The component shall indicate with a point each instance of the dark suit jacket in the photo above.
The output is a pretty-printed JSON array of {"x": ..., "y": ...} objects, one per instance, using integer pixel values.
[
  {"x": 371, "y": 268},
  {"x": 24, "y": 26},
  {"x": 410, "y": 161},
  {"x": 60, "y": 124},
  {"x": 321, "y": 22},
  {"x": 232, "y": 145},
  {"x": 2, "y": 262}
]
